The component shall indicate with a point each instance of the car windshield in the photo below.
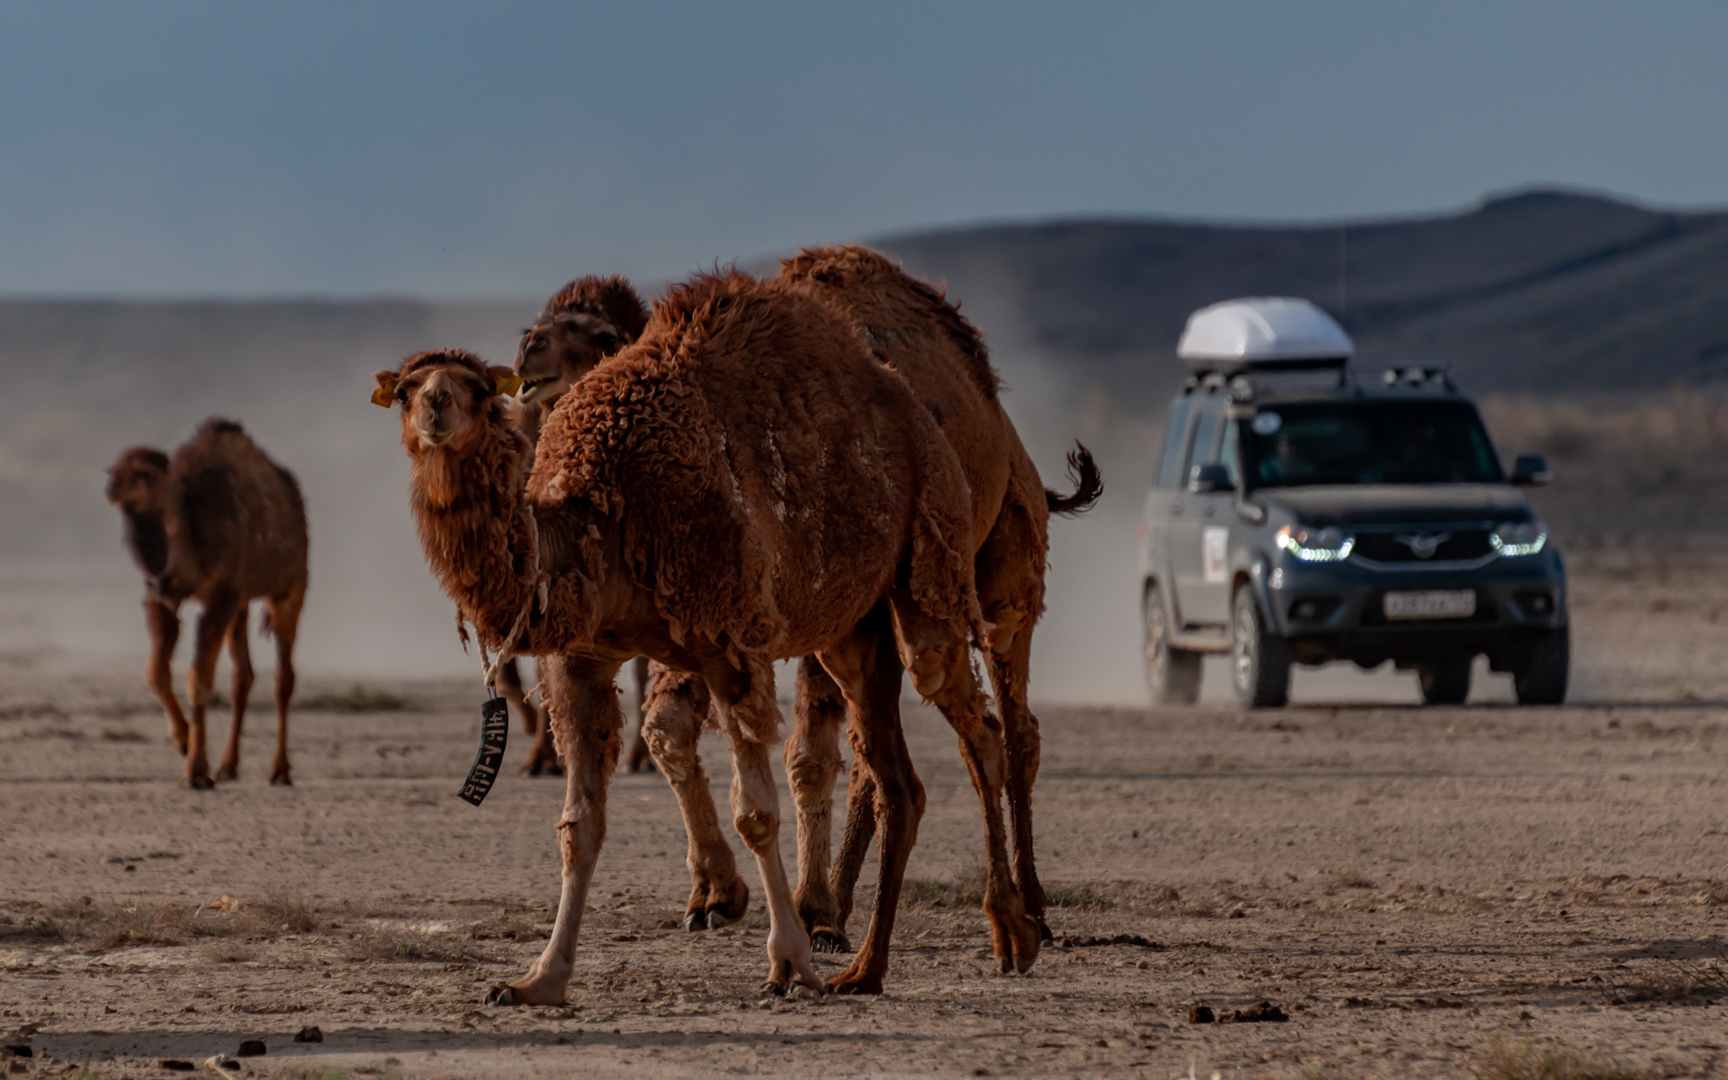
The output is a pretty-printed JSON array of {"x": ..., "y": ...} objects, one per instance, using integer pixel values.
[{"x": 1368, "y": 442}]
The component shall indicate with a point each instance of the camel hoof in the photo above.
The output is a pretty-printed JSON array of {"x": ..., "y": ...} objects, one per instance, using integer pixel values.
[
  {"x": 281, "y": 780},
  {"x": 829, "y": 941},
  {"x": 646, "y": 765},
  {"x": 718, "y": 918},
  {"x": 502, "y": 994},
  {"x": 856, "y": 984},
  {"x": 199, "y": 783},
  {"x": 772, "y": 987},
  {"x": 227, "y": 775},
  {"x": 695, "y": 922}
]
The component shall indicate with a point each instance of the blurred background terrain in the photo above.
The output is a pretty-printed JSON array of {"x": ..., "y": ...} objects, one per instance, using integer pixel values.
[{"x": 1593, "y": 330}]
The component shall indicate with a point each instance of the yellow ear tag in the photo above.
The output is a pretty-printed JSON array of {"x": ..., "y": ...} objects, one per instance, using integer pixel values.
[
  {"x": 507, "y": 385},
  {"x": 383, "y": 397}
]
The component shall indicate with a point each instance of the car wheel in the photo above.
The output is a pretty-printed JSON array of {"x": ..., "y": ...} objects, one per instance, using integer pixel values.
[
  {"x": 1444, "y": 683},
  {"x": 1260, "y": 659},
  {"x": 1543, "y": 680},
  {"x": 1172, "y": 674}
]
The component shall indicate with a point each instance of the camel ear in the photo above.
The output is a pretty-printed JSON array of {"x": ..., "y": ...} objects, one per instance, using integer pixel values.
[
  {"x": 504, "y": 381},
  {"x": 386, "y": 392}
]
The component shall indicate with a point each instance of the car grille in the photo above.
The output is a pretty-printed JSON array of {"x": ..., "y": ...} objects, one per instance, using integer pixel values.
[{"x": 1385, "y": 547}]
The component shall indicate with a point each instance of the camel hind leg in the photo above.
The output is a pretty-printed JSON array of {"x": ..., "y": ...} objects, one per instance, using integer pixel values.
[
  {"x": 285, "y": 624},
  {"x": 542, "y": 756},
  {"x": 162, "y": 620},
  {"x": 1011, "y": 593},
  {"x": 941, "y": 663},
  {"x": 677, "y": 705},
  {"x": 640, "y": 757},
  {"x": 867, "y": 671},
  {"x": 240, "y": 654},
  {"x": 812, "y": 760},
  {"x": 219, "y": 610}
]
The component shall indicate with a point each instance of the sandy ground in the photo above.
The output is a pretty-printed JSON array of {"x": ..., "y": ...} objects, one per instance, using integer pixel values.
[{"x": 1411, "y": 887}]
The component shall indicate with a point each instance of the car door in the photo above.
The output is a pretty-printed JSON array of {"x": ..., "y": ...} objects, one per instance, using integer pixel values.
[
  {"x": 1200, "y": 534},
  {"x": 1166, "y": 490}
]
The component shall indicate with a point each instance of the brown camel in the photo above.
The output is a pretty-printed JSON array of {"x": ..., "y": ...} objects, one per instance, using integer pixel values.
[
  {"x": 744, "y": 483},
  {"x": 915, "y": 331},
  {"x": 586, "y": 321},
  {"x": 223, "y": 524}
]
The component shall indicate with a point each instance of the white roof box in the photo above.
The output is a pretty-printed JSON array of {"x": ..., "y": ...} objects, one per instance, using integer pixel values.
[{"x": 1265, "y": 333}]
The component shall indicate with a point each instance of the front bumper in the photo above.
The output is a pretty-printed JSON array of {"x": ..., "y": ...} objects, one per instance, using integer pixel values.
[{"x": 1335, "y": 611}]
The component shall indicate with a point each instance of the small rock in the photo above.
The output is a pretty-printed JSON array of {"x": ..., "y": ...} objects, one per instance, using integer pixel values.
[
  {"x": 175, "y": 1065},
  {"x": 1201, "y": 1014},
  {"x": 309, "y": 1034},
  {"x": 250, "y": 1048}
]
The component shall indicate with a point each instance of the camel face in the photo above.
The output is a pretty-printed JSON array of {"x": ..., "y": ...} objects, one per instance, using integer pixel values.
[
  {"x": 138, "y": 481},
  {"x": 557, "y": 351},
  {"x": 443, "y": 405}
]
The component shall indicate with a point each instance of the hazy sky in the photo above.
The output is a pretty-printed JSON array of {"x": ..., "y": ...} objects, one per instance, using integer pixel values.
[{"x": 495, "y": 149}]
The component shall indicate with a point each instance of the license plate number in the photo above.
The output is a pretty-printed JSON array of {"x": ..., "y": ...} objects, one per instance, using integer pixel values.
[{"x": 1431, "y": 604}]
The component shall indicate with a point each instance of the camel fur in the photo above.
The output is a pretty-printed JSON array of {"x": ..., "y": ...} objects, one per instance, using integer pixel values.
[
  {"x": 914, "y": 330},
  {"x": 745, "y": 483},
  {"x": 223, "y": 524},
  {"x": 584, "y": 322}
]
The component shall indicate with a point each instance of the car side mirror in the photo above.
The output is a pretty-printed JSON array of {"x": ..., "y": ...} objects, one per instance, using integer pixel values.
[
  {"x": 1207, "y": 478},
  {"x": 1531, "y": 470}
]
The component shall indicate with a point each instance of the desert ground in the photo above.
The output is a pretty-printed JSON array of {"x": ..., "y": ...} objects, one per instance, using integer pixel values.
[{"x": 1422, "y": 892}]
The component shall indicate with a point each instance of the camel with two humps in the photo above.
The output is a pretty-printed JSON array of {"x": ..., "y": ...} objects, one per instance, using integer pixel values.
[
  {"x": 220, "y": 523},
  {"x": 743, "y": 484},
  {"x": 912, "y": 329}
]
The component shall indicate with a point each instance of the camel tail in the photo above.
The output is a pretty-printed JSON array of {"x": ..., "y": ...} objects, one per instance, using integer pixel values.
[{"x": 1089, "y": 484}]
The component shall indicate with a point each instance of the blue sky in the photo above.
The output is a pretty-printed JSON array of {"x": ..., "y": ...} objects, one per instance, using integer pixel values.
[{"x": 191, "y": 148}]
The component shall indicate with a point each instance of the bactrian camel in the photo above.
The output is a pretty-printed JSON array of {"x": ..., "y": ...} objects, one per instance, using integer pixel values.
[
  {"x": 223, "y": 524},
  {"x": 586, "y": 321},
  {"x": 913, "y": 329},
  {"x": 745, "y": 483}
]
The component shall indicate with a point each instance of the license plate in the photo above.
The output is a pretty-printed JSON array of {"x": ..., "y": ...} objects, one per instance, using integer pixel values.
[{"x": 1431, "y": 604}]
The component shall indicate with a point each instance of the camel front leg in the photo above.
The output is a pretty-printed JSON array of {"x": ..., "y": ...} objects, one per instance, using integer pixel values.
[
  {"x": 586, "y": 722},
  {"x": 240, "y": 654},
  {"x": 212, "y": 628},
  {"x": 751, "y": 719},
  {"x": 162, "y": 619},
  {"x": 812, "y": 760},
  {"x": 285, "y": 624},
  {"x": 677, "y": 705},
  {"x": 641, "y": 757}
]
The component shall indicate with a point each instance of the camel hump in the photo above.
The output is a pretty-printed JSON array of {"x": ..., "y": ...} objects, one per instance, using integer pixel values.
[
  {"x": 1088, "y": 484},
  {"x": 888, "y": 300},
  {"x": 234, "y": 505},
  {"x": 612, "y": 298}
]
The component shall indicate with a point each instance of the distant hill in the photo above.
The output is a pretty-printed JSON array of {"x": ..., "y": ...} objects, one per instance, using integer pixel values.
[{"x": 1544, "y": 291}]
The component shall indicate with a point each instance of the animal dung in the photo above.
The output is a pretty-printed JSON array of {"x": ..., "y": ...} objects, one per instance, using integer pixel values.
[
  {"x": 251, "y": 1048},
  {"x": 1201, "y": 1014},
  {"x": 309, "y": 1034},
  {"x": 1258, "y": 1013}
]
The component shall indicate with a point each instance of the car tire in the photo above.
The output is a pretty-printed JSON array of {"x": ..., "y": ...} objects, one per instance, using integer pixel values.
[
  {"x": 1543, "y": 679},
  {"x": 1446, "y": 682},
  {"x": 1172, "y": 674},
  {"x": 1259, "y": 658}
]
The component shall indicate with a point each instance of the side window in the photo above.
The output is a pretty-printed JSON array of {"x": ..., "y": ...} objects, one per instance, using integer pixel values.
[
  {"x": 1204, "y": 448},
  {"x": 1170, "y": 460},
  {"x": 1230, "y": 455}
]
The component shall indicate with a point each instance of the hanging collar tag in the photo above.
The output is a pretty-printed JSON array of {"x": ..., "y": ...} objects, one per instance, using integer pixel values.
[{"x": 494, "y": 732}]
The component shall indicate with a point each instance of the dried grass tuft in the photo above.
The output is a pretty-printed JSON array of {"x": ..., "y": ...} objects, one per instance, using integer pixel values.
[{"x": 1530, "y": 1063}]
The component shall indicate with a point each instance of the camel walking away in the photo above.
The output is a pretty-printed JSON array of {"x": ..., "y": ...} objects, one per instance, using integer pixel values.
[
  {"x": 586, "y": 321},
  {"x": 744, "y": 483},
  {"x": 223, "y": 524},
  {"x": 914, "y": 330}
]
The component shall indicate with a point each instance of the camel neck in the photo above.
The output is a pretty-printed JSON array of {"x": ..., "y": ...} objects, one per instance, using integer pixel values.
[{"x": 147, "y": 539}]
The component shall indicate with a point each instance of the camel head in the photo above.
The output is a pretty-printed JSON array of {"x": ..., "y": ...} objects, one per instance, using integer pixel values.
[
  {"x": 138, "y": 481},
  {"x": 559, "y": 349},
  {"x": 448, "y": 398},
  {"x": 586, "y": 321}
]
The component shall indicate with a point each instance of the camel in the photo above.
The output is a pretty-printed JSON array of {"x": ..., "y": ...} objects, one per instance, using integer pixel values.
[
  {"x": 225, "y": 525},
  {"x": 742, "y": 484},
  {"x": 914, "y": 330},
  {"x": 586, "y": 321}
]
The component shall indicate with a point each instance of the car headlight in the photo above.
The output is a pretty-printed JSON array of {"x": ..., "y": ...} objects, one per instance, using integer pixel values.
[
  {"x": 1330, "y": 544},
  {"x": 1526, "y": 538}
]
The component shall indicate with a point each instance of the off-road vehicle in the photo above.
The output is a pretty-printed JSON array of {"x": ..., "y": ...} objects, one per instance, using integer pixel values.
[{"x": 1305, "y": 512}]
